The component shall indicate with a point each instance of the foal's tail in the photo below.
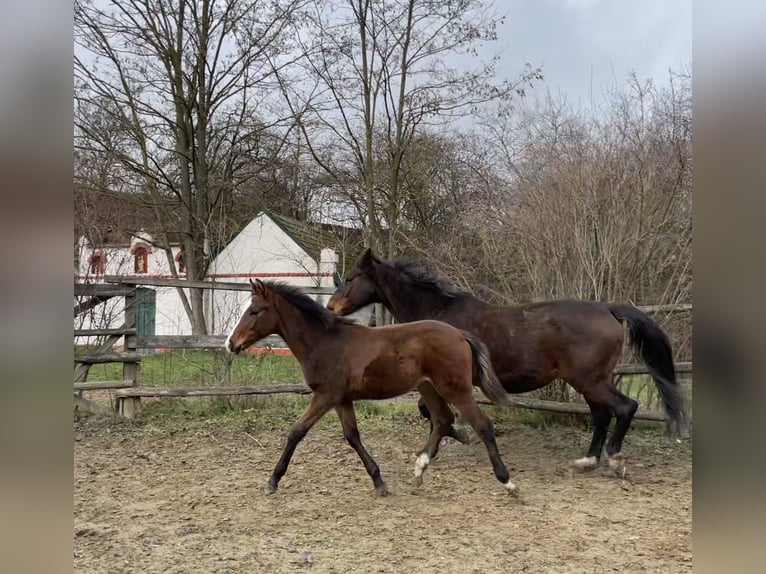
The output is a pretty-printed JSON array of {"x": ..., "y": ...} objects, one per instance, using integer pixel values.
[
  {"x": 653, "y": 345},
  {"x": 485, "y": 376}
]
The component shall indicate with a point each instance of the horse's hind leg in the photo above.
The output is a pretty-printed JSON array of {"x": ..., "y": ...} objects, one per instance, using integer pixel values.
[
  {"x": 482, "y": 424},
  {"x": 318, "y": 407},
  {"x": 351, "y": 433},
  {"x": 452, "y": 432},
  {"x": 624, "y": 410},
  {"x": 601, "y": 416},
  {"x": 441, "y": 422},
  {"x": 606, "y": 396}
]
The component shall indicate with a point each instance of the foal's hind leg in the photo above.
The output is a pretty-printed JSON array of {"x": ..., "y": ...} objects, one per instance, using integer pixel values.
[
  {"x": 482, "y": 424},
  {"x": 351, "y": 433},
  {"x": 441, "y": 421}
]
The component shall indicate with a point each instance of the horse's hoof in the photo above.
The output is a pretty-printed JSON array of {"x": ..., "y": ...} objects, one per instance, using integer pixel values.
[
  {"x": 585, "y": 463},
  {"x": 382, "y": 489},
  {"x": 459, "y": 436},
  {"x": 270, "y": 488},
  {"x": 617, "y": 465},
  {"x": 419, "y": 480}
]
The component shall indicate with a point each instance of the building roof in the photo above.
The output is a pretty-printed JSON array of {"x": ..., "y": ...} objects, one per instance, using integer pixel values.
[
  {"x": 110, "y": 219},
  {"x": 313, "y": 237}
]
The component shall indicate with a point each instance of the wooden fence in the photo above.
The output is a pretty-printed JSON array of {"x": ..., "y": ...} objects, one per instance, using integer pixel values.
[{"x": 128, "y": 391}]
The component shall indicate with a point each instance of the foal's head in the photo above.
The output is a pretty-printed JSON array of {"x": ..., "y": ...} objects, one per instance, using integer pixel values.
[
  {"x": 258, "y": 319},
  {"x": 359, "y": 289}
]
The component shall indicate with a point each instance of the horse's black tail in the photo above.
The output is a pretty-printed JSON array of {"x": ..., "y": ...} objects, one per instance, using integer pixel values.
[
  {"x": 486, "y": 379},
  {"x": 653, "y": 345}
]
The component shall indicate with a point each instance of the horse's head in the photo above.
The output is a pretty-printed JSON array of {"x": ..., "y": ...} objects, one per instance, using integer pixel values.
[
  {"x": 258, "y": 320},
  {"x": 359, "y": 289}
]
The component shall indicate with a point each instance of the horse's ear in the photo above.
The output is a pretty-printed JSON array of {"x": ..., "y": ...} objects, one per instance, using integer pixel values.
[
  {"x": 258, "y": 287},
  {"x": 368, "y": 258}
]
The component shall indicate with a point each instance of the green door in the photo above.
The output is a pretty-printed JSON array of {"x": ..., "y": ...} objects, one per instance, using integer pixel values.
[{"x": 146, "y": 310}]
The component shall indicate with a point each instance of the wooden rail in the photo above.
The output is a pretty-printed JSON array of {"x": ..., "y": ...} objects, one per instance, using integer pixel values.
[
  {"x": 625, "y": 369},
  {"x": 102, "y": 385},
  {"x": 126, "y": 357},
  {"x": 102, "y": 332},
  {"x": 519, "y": 402},
  {"x": 189, "y": 284},
  {"x": 199, "y": 342},
  {"x": 101, "y": 290},
  {"x": 211, "y": 391},
  {"x": 568, "y": 408},
  {"x": 669, "y": 308}
]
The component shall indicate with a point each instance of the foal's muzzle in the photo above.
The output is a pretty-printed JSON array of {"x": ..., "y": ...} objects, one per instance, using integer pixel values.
[
  {"x": 232, "y": 348},
  {"x": 338, "y": 307}
]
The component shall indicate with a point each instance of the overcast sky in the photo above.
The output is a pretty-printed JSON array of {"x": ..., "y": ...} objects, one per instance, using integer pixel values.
[{"x": 587, "y": 46}]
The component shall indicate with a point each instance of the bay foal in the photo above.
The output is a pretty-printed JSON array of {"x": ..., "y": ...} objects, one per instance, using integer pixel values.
[{"x": 343, "y": 362}]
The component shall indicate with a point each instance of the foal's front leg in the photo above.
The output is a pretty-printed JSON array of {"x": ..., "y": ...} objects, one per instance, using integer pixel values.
[{"x": 316, "y": 410}]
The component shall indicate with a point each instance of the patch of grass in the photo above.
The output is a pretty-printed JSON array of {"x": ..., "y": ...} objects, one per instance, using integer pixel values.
[
  {"x": 207, "y": 368},
  {"x": 254, "y": 413}
]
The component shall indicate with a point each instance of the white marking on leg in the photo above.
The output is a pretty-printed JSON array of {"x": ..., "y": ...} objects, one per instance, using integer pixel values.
[
  {"x": 421, "y": 463},
  {"x": 512, "y": 488},
  {"x": 586, "y": 462}
]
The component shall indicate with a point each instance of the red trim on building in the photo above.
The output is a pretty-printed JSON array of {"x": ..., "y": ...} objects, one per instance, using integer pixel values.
[
  {"x": 96, "y": 264},
  {"x": 140, "y": 252},
  {"x": 253, "y": 351},
  {"x": 138, "y": 246},
  {"x": 228, "y": 275},
  {"x": 180, "y": 263},
  {"x": 247, "y": 275}
]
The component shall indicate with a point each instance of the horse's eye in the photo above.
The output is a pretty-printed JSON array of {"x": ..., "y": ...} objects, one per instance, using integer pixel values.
[
  {"x": 350, "y": 279},
  {"x": 254, "y": 312}
]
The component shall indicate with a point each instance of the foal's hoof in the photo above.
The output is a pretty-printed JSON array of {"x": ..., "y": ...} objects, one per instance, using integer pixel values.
[
  {"x": 421, "y": 464},
  {"x": 512, "y": 489},
  {"x": 382, "y": 489},
  {"x": 270, "y": 488},
  {"x": 585, "y": 463}
]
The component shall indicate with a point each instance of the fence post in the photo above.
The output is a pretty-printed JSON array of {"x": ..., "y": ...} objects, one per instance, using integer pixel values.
[{"x": 129, "y": 407}]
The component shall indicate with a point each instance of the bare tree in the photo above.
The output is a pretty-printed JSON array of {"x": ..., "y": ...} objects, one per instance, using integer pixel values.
[
  {"x": 380, "y": 72},
  {"x": 590, "y": 204},
  {"x": 186, "y": 84}
]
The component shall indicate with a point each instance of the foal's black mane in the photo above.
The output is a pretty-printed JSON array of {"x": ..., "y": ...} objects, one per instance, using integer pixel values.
[
  {"x": 417, "y": 273},
  {"x": 306, "y": 305}
]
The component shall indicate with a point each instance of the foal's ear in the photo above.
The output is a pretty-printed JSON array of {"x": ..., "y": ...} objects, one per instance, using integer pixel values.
[{"x": 258, "y": 287}]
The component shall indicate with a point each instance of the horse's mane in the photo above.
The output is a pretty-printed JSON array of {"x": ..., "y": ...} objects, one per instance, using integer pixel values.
[
  {"x": 306, "y": 305},
  {"x": 414, "y": 271}
]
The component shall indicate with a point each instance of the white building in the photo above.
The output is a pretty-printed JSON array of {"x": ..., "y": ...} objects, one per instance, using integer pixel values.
[{"x": 271, "y": 247}]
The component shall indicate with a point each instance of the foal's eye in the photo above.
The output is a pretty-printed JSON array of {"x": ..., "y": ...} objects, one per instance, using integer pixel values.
[{"x": 254, "y": 312}]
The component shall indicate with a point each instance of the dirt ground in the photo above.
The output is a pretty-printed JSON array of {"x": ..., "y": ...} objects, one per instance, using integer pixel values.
[{"x": 195, "y": 502}]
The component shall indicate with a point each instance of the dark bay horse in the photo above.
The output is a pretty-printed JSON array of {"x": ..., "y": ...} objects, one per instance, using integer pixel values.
[
  {"x": 532, "y": 345},
  {"x": 343, "y": 362}
]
